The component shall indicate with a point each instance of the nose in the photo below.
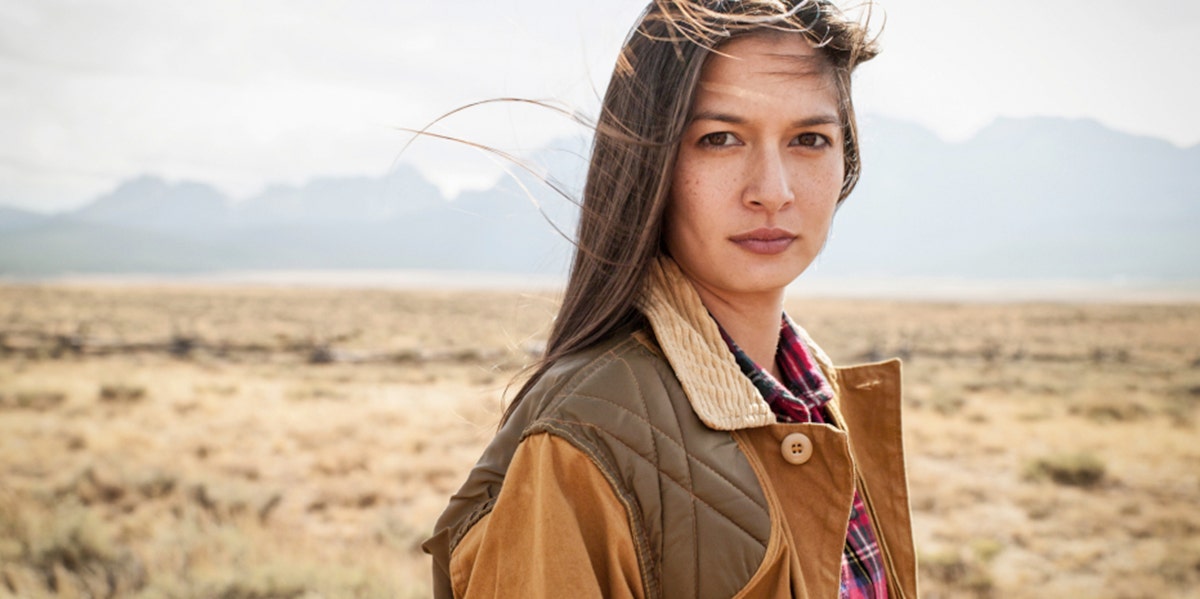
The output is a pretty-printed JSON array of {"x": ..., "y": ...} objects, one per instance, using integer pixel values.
[{"x": 769, "y": 186}]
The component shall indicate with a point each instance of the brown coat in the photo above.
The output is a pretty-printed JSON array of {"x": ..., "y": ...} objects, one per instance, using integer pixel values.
[{"x": 649, "y": 466}]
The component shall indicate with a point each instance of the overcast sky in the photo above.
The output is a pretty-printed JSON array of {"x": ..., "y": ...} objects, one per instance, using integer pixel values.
[{"x": 244, "y": 93}]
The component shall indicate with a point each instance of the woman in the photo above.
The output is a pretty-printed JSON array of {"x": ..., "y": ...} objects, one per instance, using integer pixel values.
[{"x": 683, "y": 437}]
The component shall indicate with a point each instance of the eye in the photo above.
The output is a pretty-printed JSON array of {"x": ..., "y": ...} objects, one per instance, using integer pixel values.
[
  {"x": 719, "y": 139},
  {"x": 812, "y": 140}
]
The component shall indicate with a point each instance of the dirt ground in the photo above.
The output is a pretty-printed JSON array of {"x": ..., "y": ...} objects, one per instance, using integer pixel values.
[{"x": 245, "y": 442}]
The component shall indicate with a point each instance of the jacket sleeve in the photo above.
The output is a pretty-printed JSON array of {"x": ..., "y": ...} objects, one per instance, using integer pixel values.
[{"x": 557, "y": 530}]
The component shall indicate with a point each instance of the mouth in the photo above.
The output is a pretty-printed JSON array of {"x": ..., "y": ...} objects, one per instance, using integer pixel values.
[{"x": 764, "y": 241}]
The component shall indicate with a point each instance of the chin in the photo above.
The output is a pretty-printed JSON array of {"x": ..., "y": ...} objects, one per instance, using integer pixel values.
[
  {"x": 780, "y": 274},
  {"x": 762, "y": 281}
]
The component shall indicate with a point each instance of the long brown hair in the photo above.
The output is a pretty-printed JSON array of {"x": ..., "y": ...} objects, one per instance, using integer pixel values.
[{"x": 643, "y": 115}]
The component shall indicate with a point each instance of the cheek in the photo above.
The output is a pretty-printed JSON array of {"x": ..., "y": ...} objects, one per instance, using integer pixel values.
[
  {"x": 827, "y": 175},
  {"x": 685, "y": 229},
  {"x": 683, "y": 183},
  {"x": 699, "y": 187},
  {"x": 691, "y": 209},
  {"x": 825, "y": 206},
  {"x": 825, "y": 187},
  {"x": 676, "y": 223},
  {"x": 684, "y": 200}
]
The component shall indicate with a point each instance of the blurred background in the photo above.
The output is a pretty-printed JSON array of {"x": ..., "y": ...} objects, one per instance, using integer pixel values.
[{"x": 253, "y": 333}]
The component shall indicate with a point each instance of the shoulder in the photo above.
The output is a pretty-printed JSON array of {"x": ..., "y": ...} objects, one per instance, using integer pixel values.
[
  {"x": 689, "y": 492},
  {"x": 620, "y": 404},
  {"x": 601, "y": 407},
  {"x": 625, "y": 373}
]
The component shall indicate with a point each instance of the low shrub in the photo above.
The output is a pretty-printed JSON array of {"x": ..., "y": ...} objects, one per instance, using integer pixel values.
[
  {"x": 37, "y": 400},
  {"x": 119, "y": 393},
  {"x": 953, "y": 571},
  {"x": 65, "y": 549},
  {"x": 1073, "y": 469}
]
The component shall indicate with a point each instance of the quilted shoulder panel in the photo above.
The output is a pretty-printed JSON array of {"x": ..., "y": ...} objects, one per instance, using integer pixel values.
[{"x": 696, "y": 506}]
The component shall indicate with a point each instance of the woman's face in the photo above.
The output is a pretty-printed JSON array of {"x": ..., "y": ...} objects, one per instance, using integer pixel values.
[{"x": 759, "y": 168}]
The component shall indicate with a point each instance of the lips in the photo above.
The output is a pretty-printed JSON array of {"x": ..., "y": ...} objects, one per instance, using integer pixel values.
[{"x": 764, "y": 241}]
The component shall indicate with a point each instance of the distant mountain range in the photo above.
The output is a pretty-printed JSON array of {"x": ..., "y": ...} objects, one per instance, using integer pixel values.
[{"x": 1022, "y": 199}]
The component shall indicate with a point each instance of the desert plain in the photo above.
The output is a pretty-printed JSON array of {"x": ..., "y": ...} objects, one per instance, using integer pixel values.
[{"x": 263, "y": 442}]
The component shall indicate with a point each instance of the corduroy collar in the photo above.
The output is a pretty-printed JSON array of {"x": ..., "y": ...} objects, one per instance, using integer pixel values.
[{"x": 720, "y": 394}]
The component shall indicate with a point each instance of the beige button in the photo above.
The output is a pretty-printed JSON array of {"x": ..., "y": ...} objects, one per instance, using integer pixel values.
[{"x": 797, "y": 448}]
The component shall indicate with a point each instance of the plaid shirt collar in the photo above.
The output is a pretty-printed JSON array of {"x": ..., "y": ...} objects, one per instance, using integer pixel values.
[{"x": 804, "y": 389}]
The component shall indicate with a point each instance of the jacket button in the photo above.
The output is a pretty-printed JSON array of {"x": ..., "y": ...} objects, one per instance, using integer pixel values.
[{"x": 797, "y": 448}]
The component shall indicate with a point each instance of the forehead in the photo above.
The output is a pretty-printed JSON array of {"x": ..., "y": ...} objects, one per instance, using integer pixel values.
[{"x": 766, "y": 67}]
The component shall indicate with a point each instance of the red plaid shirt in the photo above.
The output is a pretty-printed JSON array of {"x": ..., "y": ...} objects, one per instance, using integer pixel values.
[{"x": 801, "y": 398}]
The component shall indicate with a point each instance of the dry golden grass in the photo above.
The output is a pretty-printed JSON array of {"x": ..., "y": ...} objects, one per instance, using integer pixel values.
[{"x": 239, "y": 442}]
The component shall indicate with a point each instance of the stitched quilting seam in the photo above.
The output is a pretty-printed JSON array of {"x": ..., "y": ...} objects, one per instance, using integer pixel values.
[
  {"x": 676, "y": 443},
  {"x": 606, "y": 359},
  {"x": 586, "y": 372},
  {"x": 665, "y": 475}
]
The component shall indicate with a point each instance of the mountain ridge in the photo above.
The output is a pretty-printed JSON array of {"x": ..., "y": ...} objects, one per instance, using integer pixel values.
[{"x": 1023, "y": 198}]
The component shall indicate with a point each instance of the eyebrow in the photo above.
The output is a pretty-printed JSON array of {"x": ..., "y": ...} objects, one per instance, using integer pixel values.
[{"x": 819, "y": 119}]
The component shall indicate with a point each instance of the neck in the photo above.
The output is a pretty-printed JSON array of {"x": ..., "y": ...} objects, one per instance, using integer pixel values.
[{"x": 751, "y": 321}]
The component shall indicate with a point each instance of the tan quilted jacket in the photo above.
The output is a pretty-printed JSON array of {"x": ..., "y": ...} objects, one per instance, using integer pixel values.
[{"x": 650, "y": 466}]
